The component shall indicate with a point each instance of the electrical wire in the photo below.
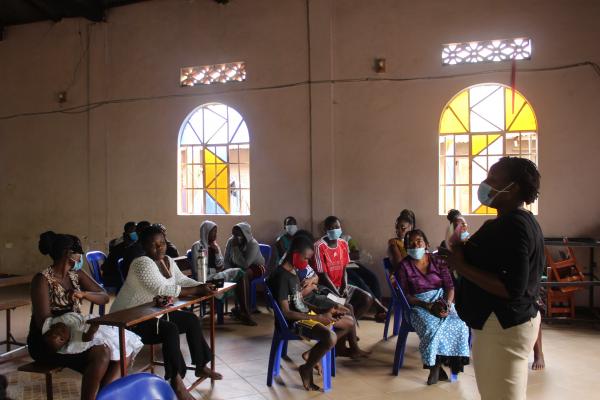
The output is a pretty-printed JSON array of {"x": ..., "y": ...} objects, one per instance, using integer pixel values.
[{"x": 83, "y": 108}]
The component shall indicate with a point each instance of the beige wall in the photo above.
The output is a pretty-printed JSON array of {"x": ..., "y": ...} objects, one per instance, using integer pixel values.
[{"x": 361, "y": 150}]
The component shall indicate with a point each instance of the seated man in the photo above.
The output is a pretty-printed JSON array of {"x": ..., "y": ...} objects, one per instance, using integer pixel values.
[
  {"x": 129, "y": 236},
  {"x": 116, "y": 250},
  {"x": 316, "y": 324},
  {"x": 134, "y": 250},
  {"x": 330, "y": 261}
]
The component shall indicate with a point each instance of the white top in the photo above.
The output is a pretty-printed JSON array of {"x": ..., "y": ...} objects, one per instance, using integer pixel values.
[{"x": 145, "y": 281}]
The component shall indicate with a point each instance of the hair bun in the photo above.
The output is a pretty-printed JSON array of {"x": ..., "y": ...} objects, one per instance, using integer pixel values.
[{"x": 46, "y": 241}]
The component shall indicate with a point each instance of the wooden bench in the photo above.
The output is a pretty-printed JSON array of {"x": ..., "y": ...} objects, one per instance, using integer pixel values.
[{"x": 41, "y": 368}]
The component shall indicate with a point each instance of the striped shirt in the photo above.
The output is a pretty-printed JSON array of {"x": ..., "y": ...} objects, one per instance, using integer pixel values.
[{"x": 332, "y": 261}]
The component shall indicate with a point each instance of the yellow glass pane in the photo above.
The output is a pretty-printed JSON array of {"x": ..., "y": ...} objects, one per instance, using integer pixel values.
[
  {"x": 525, "y": 121},
  {"x": 460, "y": 106},
  {"x": 523, "y": 117},
  {"x": 478, "y": 143},
  {"x": 450, "y": 124},
  {"x": 484, "y": 210},
  {"x": 216, "y": 177}
]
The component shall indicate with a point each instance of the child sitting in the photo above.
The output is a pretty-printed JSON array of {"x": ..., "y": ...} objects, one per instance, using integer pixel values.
[{"x": 71, "y": 334}]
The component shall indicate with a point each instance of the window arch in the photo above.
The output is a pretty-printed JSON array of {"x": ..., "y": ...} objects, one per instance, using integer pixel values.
[
  {"x": 213, "y": 162},
  {"x": 478, "y": 126}
]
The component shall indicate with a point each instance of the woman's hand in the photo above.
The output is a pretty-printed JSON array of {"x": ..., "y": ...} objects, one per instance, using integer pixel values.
[
  {"x": 454, "y": 258},
  {"x": 438, "y": 309},
  {"x": 206, "y": 289},
  {"x": 342, "y": 309}
]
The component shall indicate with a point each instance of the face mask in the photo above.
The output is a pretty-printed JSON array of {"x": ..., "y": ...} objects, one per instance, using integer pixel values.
[
  {"x": 133, "y": 236},
  {"x": 78, "y": 264},
  {"x": 483, "y": 193},
  {"x": 416, "y": 253},
  {"x": 291, "y": 229},
  {"x": 298, "y": 261},
  {"x": 334, "y": 234},
  {"x": 464, "y": 236}
]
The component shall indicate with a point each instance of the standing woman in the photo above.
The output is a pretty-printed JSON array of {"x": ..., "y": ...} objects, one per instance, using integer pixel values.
[
  {"x": 57, "y": 290},
  {"x": 501, "y": 266}
]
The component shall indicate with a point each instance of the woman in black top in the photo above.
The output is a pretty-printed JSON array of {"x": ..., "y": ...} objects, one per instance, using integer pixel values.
[{"x": 500, "y": 268}]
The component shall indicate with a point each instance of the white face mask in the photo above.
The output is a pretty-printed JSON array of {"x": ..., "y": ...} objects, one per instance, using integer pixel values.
[{"x": 291, "y": 229}]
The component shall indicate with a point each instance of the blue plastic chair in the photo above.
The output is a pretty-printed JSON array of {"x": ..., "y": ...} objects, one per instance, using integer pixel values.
[
  {"x": 266, "y": 251},
  {"x": 219, "y": 303},
  {"x": 95, "y": 259},
  {"x": 281, "y": 335},
  {"x": 394, "y": 308},
  {"x": 404, "y": 321},
  {"x": 142, "y": 386}
]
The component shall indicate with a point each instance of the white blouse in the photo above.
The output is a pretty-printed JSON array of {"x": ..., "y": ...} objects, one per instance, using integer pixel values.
[{"x": 145, "y": 281}]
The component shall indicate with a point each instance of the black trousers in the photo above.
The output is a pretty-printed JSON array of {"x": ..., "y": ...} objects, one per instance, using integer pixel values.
[{"x": 167, "y": 333}]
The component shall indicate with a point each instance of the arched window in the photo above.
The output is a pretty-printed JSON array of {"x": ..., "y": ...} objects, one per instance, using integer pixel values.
[
  {"x": 213, "y": 162},
  {"x": 478, "y": 126}
]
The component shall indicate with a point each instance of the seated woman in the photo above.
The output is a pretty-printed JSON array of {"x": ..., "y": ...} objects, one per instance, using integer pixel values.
[
  {"x": 57, "y": 290},
  {"x": 396, "y": 251},
  {"x": 285, "y": 286},
  {"x": 457, "y": 230},
  {"x": 216, "y": 268},
  {"x": 330, "y": 261},
  {"x": 156, "y": 274},
  {"x": 427, "y": 285},
  {"x": 282, "y": 243}
]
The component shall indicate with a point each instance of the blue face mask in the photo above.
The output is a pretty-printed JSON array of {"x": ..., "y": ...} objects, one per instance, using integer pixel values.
[
  {"x": 464, "y": 236},
  {"x": 78, "y": 264},
  {"x": 416, "y": 253},
  {"x": 334, "y": 234},
  {"x": 133, "y": 236},
  {"x": 483, "y": 193}
]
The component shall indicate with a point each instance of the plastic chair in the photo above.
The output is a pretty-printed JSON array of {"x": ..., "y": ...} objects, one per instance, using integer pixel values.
[
  {"x": 281, "y": 335},
  {"x": 219, "y": 303},
  {"x": 266, "y": 251},
  {"x": 394, "y": 308},
  {"x": 142, "y": 386},
  {"x": 95, "y": 259}
]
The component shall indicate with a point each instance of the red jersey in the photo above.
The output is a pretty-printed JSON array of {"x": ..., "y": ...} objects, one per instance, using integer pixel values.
[{"x": 332, "y": 261}]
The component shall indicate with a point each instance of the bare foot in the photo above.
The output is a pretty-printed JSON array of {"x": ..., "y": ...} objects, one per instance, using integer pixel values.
[
  {"x": 307, "y": 378},
  {"x": 317, "y": 365},
  {"x": 353, "y": 354},
  {"x": 206, "y": 372},
  {"x": 538, "y": 362}
]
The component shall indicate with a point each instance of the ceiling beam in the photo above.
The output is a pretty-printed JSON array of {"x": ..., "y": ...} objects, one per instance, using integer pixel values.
[
  {"x": 47, "y": 9},
  {"x": 90, "y": 9}
]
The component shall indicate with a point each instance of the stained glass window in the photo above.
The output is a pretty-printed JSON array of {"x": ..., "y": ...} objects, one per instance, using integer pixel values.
[
  {"x": 478, "y": 126},
  {"x": 486, "y": 51},
  {"x": 214, "y": 162}
]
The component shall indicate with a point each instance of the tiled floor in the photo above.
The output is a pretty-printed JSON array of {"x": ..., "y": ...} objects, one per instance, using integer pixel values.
[{"x": 572, "y": 356}]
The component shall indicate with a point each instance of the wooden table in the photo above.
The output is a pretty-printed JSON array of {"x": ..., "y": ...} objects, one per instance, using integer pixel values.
[
  {"x": 8, "y": 306},
  {"x": 127, "y": 318},
  {"x": 16, "y": 280}
]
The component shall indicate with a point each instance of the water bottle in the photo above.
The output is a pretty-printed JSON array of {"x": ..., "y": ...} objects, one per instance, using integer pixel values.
[{"x": 202, "y": 266}]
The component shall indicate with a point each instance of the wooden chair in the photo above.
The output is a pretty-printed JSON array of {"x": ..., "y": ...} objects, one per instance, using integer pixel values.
[{"x": 560, "y": 300}]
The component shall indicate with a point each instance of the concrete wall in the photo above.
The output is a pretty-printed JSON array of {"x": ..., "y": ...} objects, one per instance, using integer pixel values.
[{"x": 361, "y": 150}]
